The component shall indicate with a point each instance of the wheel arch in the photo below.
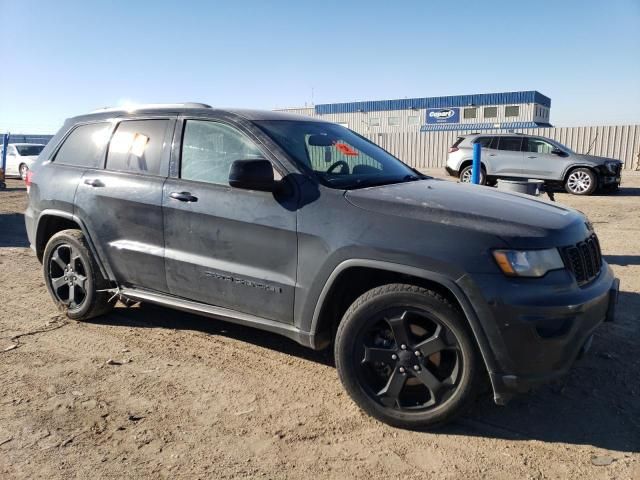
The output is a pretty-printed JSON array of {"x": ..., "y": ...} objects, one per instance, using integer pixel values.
[
  {"x": 466, "y": 163},
  {"x": 333, "y": 298},
  {"x": 575, "y": 166},
  {"x": 51, "y": 222}
]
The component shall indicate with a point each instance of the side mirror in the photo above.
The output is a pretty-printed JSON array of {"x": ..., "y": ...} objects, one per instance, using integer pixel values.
[
  {"x": 252, "y": 175},
  {"x": 557, "y": 151}
]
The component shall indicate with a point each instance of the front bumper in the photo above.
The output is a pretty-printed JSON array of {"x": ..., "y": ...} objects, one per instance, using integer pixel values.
[
  {"x": 609, "y": 180},
  {"x": 536, "y": 328}
]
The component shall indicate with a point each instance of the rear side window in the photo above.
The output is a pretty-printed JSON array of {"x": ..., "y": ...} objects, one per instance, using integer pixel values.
[
  {"x": 484, "y": 141},
  {"x": 510, "y": 143},
  {"x": 136, "y": 146},
  {"x": 85, "y": 146},
  {"x": 458, "y": 141}
]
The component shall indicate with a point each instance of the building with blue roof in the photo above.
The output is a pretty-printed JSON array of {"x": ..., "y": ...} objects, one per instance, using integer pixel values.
[{"x": 483, "y": 111}]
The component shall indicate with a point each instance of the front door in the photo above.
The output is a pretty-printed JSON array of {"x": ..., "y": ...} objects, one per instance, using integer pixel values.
[
  {"x": 508, "y": 159},
  {"x": 228, "y": 247},
  {"x": 539, "y": 162}
]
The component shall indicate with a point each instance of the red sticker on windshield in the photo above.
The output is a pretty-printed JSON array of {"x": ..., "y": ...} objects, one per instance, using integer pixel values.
[{"x": 347, "y": 150}]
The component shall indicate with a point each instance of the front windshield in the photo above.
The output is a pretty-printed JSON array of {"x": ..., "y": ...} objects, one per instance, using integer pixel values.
[
  {"x": 29, "y": 150},
  {"x": 335, "y": 155},
  {"x": 559, "y": 145}
]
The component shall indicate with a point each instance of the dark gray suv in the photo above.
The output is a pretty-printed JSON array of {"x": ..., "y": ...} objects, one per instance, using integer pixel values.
[{"x": 426, "y": 289}]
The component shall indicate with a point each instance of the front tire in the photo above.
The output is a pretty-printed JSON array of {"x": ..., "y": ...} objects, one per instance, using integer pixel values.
[
  {"x": 406, "y": 357},
  {"x": 73, "y": 277},
  {"x": 466, "y": 175},
  {"x": 581, "y": 181}
]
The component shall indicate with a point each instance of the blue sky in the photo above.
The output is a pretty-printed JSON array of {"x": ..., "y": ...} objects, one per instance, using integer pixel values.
[{"x": 64, "y": 58}]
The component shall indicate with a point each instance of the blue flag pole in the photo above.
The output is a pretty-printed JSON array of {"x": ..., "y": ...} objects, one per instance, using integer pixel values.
[{"x": 475, "y": 166}]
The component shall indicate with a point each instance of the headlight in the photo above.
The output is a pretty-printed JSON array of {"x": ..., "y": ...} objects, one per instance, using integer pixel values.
[
  {"x": 611, "y": 166},
  {"x": 528, "y": 263}
]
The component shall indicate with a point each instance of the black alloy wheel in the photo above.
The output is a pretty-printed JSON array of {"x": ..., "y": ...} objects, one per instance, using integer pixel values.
[
  {"x": 68, "y": 276},
  {"x": 406, "y": 356},
  {"x": 73, "y": 277},
  {"x": 409, "y": 360}
]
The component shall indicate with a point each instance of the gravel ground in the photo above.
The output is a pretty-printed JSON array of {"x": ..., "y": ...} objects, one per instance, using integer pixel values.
[{"x": 190, "y": 397}]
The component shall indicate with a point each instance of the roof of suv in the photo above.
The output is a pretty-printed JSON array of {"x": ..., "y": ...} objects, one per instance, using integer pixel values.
[
  {"x": 519, "y": 134},
  {"x": 195, "y": 108}
]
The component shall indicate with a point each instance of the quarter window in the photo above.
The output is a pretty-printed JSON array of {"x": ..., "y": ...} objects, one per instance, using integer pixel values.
[
  {"x": 209, "y": 149},
  {"x": 85, "y": 146},
  {"x": 136, "y": 146},
  {"x": 490, "y": 112},
  {"x": 470, "y": 112},
  {"x": 510, "y": 143},
  {"x": 512, "y": 111}
]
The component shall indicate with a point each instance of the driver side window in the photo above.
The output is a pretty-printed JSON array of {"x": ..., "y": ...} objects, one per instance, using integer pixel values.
[
  {"x": 536, "y": 145},
  {"x": 209, "y": 148}
]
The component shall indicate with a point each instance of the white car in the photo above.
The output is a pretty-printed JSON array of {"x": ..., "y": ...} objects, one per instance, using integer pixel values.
[{"x": 20, "y": 156}]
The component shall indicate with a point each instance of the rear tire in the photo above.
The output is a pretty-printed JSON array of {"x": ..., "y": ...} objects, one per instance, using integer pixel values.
[
  {"x": 466, "y": 175},
  {"x": 73, "y": 277},
  {"x": 23, "y": 169},
  {"x": 581, "y": 181},
  {"x": 406, "y": 357}
]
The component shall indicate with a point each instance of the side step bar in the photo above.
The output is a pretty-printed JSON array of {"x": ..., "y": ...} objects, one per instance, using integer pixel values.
[{"x": 219, "y": 313}]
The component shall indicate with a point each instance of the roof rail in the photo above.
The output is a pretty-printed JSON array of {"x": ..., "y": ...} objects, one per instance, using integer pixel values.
[{"x": 151, "y": 106}]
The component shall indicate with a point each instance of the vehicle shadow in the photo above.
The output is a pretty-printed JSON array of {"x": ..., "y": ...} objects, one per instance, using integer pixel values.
[
  {"x": 153, "y": 316},
  {"x": 596, "y": 404},
  {"x": 621, "y": 192},
  {"x": 13, "y": 232},
  {"x": 622, "y": 260}
]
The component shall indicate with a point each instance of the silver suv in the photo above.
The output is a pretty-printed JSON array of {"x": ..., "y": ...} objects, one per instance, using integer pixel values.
[{"x": 528, "y": 156}]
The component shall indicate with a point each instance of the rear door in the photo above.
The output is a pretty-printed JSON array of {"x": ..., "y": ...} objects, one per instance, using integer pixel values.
[
  {"x": 539, "y": 162},
  {"x": 508, "y": 157},
  {"x": 228, "y": 247},
  {"x": 122, "y": 203}
]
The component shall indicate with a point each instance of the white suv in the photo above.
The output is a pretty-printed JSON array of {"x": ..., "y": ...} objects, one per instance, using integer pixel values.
[
  {"x": 526, "y": 156},
  {"x": 20, "y": 156}
]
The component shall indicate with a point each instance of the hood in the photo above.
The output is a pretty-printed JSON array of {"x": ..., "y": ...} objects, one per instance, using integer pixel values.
[
  {"x": 595, "y": 160},
  {"x": 510, "y": 216}
]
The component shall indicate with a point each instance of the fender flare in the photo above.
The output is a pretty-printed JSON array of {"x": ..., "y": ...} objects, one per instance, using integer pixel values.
[
  {"x": 573, "y": 166},
  {"x": 449, "y": 283},
  {"x": 105, "y": 270}
]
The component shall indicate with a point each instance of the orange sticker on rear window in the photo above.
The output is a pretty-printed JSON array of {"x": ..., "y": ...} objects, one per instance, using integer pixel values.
[{"x": 347, "y": 150}]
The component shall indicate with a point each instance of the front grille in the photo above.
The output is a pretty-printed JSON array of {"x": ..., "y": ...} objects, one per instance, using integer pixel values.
[{"x": 584, "y": 259}]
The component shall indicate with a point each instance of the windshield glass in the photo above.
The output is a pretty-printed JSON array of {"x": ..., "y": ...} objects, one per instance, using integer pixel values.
[
  {"x": 338, "y": 157},
  {"x": 28, "y": 150},
  {"x": 559, "y": 145}
]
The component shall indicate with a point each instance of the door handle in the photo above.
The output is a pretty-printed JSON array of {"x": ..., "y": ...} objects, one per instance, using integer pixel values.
[
  {"x": 183, "y": 196},
  {"x": 492, "y": 154},
  {"x": 532, "y": 156},
  {"x": 93, "y": 182}
]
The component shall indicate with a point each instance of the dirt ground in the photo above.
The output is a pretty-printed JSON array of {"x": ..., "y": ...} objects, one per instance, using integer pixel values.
[{"x": 191, "y": 397}]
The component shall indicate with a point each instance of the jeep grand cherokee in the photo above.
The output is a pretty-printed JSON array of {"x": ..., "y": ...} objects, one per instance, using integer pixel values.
[{"x": 425, "y": 288}]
